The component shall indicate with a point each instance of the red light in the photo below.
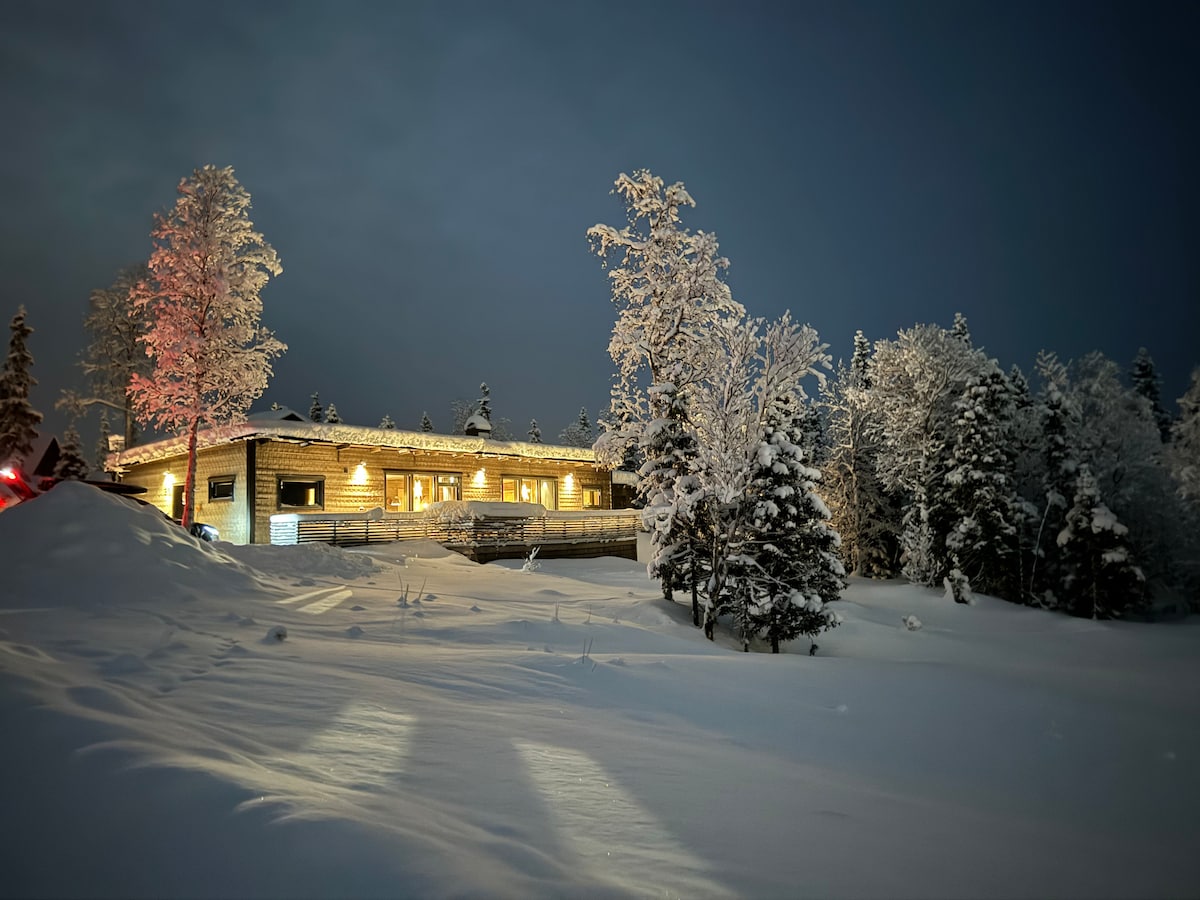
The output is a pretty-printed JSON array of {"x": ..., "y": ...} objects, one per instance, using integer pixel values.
[{"x": 9, "y": 474}]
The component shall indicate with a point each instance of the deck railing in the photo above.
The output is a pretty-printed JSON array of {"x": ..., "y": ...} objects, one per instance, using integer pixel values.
[{"x": 374, "y": 526}]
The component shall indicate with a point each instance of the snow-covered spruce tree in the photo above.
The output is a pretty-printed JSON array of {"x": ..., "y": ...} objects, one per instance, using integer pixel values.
[
  {"x": 755, "y": 379},
  {"x": 789, "y": 565},
  {"x": 1059, "y": 423},
  {"x": 484, "y": 405},
  {"x": 579, "y": 433},
  {"x": 1102, "y": 581},
  {"x": 1119, "y": 439},
  {"x": 331, "y": 415},
  {"x": 1143, "y": 376},
  {"x": 387, "y": 423},
  {"x": 18, "y": 419},
  {"x": 534, "y": 433},
  {"x": 866, "y": 517},
  {"x": 426, "y": 423},
  {"x": 71, "y": 465},
  {"x": 916, "y": 380},
  {"x": 114, "y": 352},
  {"x": 983, "y": 539},
  {"x": 212, "y": 356},
  {"x": 669, "y": 295},
  {"x": 102, "y": 450},
  {"x": 316, "y": 412},
  {"x": 1185, "y": 442}
]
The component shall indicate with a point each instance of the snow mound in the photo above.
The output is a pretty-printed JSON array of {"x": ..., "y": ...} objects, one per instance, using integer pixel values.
[
  {"x": 77, "y": 534},
  {"x": 304, "y": 560}
]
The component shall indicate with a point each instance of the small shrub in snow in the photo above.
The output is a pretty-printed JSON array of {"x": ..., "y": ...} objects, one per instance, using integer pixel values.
[
  {"x": 912, "y": 623},
  {"x": 276, "y": 634},
  {"x": 958, "y": 587},
  {"x": 531, "y": 564}
]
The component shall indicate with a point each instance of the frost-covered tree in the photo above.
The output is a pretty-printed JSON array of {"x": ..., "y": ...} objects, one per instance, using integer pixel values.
[
  {"x": 426, "y": 423},
  {"x": 102, "y": 449},
  {"x": 960, "y": 330},
  {"x": 1144, "y": 378},
  {"x": 1185, "y": 441},
  {"x": 1102, "y": 580},
  {"x": 316, "y": 412},
  {"x": 866, "y": 516},
  {"x": 18, "y": 419},
  {"x": 917, "y": 379},
  {"x": 331, "y": 415},
  {"x": 984, "y": 536},
  {"x": 484, "y": 405},
  {"x": 579, "y": 433},
  {"x": 534, "y": 433},
  {"x": 387, "y": 423},
  {"x": 71, "y": 465},
  {"x": 212, "y": 356},
  {"x": 788, "y": 568},
  {"x": 1058, "y": 422},
  {"x": 115, "y": 352}
]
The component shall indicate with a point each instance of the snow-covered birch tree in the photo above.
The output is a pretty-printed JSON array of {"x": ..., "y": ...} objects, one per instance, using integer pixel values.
[{"x": 211, "y": 354}]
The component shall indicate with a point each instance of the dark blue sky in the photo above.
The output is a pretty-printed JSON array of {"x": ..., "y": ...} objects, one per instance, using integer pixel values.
[{"x": 427, "y": 172}]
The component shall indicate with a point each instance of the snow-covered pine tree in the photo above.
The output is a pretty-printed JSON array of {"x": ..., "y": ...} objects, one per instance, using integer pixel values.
[
  {"x": 114, "y": 352},
  {"x": 960, "y": 330},
  {"x": 535, "y": 433},
  {"x": 1059, "y": 425},
  {"x": 212, "y": 356},
  {"x": 484, "y": 406},
  {"x": 426, "y": 423},
  {"x": 18, "y": 419},
  {"x": 1144, "y": 378},
  {"x": 316, "y": 412},
  {"x": 579, "y": 433},
  {"x": 1185, "y": 442},
  {"x": 387, "y": 423},
  {"x": 71, "y": 465},
  {"x": 1102, "y": 582},
  {"x": 789, "y": 556},
  {"x": 331, "y": 415},
  {"x": 102, "y": 451},
  {"x": 983, "y": 539}
]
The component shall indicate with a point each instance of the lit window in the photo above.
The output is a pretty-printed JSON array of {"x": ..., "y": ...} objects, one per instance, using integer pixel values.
[
  {"x": 593, "y": 498},
  {"x": 413, "y": 491},
  {"x": 220, "y": 487},
  {"x": 530, "y": 490},
  {"x": 305, "y": 491}
]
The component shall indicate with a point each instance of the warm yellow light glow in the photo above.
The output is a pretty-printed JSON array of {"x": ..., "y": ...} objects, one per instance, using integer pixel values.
[
  {"x": 168, "y": 483},
  {"x": 525, "y": 492},
  {"x": 417, "y": 489},
  {"x": 569, "y": 482},
  {"x": 480, "y": 479},
  {"x": 360, "y": 474}
]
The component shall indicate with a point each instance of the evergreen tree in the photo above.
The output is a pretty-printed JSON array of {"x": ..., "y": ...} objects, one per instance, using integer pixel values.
[
  {"x": 579, "y": 433},
  {"x": 1185, "y": 443},
  {"x": 331, "y": 415},
  {"x": 18, "y": 419},
  {"x": 788, "y": 569},
  {"x": 983, "y": 541},
  {"x": 387, "y": 423},
  {"x": 211, "y": 354},
  {"x": 102, "y": 441},
  {"x": 426, "y": 423},
  {"x": 960, "y": 330},
  {"x": 71, "y": 465},
  {"x": 1060, "y": 471},
  {"x": 484, "y": 406},
  {"x": 316, "y": 412},
  {"x": 1102, "y": 581},
  {"x": 535, "y": 433},
  {"x": 1146, "y": 382}
]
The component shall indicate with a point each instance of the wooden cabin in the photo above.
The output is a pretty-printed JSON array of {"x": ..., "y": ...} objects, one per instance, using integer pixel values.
[{"x": 283, "y": 466}]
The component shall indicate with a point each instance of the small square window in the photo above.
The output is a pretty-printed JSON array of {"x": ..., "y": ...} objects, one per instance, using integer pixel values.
[
  {"x": 306, "y": 491},
  {"x": 221, "y": 487},
  {"x": 593, "y": 497}
]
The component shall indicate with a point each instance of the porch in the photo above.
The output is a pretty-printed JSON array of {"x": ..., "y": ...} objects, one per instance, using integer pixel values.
[{"x": 558, "y": 534}]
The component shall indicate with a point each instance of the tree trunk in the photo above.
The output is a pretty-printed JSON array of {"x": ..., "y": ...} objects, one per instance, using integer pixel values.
[
  {"x": 774, "y": 644},
  {"x": 189, "y": 485}
]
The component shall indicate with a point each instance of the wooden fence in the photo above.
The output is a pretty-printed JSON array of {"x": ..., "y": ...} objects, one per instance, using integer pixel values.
[{"x": 477, "y": 538}]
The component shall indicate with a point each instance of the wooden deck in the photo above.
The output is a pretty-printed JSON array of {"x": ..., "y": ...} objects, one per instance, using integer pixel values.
[{"x": 557, "y": 534}]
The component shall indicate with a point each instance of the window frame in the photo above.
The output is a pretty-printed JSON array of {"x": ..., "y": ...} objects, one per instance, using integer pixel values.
[
  {"x": 585, "y": 489},
  {"x": 439, "y": 480},
  {"x": 220, "y": 481},
  {"x": 536, "y": 481},
  {"x": 318, "y": 480}
]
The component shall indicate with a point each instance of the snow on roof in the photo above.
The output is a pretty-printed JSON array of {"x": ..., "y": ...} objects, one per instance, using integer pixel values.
[
  {"x": 283, "y": 414},
  {"x": 358, "y": 435},
  {"x": 478, "y": 424}
]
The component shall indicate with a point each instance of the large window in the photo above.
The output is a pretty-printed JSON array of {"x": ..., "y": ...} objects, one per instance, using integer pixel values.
[
  {"x": 220, "y": 487},
  {"x": 520, "y": 489},
  {"x": 301, "y": 491},
  {"x": 593, "y": 497},
  {"x": 413, "y": 491}
]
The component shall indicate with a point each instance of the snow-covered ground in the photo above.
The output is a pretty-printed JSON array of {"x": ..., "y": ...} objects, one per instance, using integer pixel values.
[{"x": 560, "y": 732}]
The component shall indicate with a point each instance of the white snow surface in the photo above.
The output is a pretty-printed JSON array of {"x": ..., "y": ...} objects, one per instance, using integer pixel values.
[{"x": 562, "y": 732}]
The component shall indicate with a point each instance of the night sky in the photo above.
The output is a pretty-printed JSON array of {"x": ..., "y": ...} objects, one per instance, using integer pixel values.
[{"x": 427, "y": 173}]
